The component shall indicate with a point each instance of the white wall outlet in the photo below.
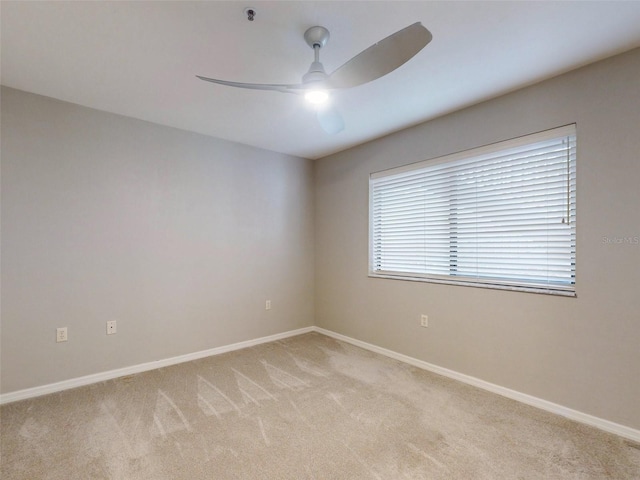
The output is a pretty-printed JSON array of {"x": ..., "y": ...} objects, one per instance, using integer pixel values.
[
  {"x": 61, "y": 334},
  {"x": 111, "y": 327},
  {"x": 267, "y": 305},
  {"x": 424, "y": 320}
]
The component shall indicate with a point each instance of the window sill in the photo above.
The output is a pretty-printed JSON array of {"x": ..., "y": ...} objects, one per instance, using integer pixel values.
[{"x": 539, "y": 289}]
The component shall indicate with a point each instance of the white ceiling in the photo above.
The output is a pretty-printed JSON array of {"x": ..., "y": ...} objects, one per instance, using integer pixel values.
[{"x": 140, "y": 59}]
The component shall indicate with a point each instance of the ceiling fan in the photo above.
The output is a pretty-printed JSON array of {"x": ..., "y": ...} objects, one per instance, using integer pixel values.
[{"x": 374, "y": 62}]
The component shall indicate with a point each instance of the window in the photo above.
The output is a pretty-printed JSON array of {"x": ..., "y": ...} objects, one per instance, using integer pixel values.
[{"x": 501, "y": 216}]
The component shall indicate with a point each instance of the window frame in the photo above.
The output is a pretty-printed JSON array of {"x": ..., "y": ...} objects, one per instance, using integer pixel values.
[{"x": 486, "y": 150}]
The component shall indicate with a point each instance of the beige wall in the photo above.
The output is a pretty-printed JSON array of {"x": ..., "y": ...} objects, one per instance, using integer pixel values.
[
  {"x": 584, "y": 352},
  {"x": 179, "y": 237}
]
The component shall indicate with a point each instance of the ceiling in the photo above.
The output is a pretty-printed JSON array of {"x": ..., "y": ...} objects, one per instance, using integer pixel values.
[{"x": 140, "y": 59}]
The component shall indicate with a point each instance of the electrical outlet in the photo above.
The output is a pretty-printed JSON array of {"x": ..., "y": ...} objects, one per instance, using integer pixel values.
[
  {"x": 424, "y": 321},
  {"x": 267, "y": 305},
  {"x": 61, "y": 334},
  {"x": 111, "y": 327}
]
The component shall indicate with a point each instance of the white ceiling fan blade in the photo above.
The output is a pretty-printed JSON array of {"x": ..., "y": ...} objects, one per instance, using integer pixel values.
[
  {"x": 330, "y": 120},
  {"x": 258, "y": 86},
  {"x": 381, "y": 58}
]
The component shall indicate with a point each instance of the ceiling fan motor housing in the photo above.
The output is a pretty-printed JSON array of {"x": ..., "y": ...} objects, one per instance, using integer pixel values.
[{"x": 316, "y": 73}]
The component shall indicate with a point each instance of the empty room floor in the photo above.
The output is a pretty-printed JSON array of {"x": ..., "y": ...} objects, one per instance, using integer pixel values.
[{"x": 307, "y": 407}]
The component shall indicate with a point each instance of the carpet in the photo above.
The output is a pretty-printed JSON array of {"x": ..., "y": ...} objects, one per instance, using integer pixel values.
[{"x": 307, "y": 407}]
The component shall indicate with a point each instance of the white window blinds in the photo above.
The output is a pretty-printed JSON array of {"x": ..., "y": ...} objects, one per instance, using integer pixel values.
[{"x": 503, "y": 215}]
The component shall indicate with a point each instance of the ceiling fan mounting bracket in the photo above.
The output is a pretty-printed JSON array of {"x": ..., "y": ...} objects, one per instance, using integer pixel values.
[{"x": 316, "y": 36}]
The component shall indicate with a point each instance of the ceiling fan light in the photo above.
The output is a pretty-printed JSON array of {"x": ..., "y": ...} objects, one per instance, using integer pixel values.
[{"x": 317, "y": 97}]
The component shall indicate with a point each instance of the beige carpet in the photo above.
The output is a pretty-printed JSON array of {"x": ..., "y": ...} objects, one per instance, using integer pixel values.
[{"x": 308, "y": 407}]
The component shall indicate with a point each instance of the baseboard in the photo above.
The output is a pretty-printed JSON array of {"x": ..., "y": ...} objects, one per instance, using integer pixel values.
[
  {"x": 143, "y": 367},
  {"x": 606, "y": 425}
]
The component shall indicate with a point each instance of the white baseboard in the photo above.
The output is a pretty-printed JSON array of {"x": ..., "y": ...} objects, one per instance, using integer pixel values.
[
  {"x": 606, "y": 425},
  {"x": 143, "y": 367}
]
